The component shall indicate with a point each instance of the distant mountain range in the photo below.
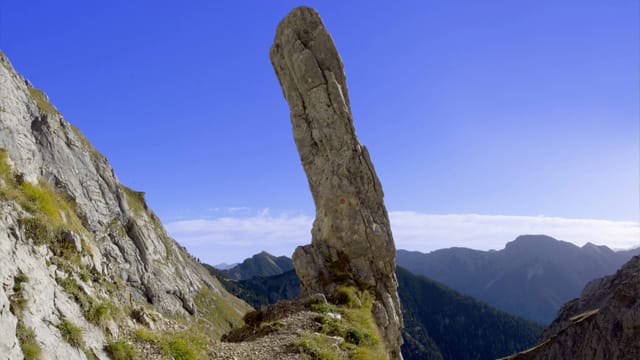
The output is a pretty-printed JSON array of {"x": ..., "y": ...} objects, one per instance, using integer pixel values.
[
  {"x": 533, "y": 276},
  {"x": 262, "y": 264},
  {"x": 439, "y": 322},
  {"x": 225, "y": 266}
]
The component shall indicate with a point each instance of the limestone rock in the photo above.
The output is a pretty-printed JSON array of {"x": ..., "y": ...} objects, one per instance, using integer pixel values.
[
  {"x": 106, "y": 244},
  {"x": 603, "y": 323},
  {"x": 352, "y": 242}
]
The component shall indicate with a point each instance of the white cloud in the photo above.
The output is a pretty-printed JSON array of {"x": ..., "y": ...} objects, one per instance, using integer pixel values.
[
  {"x": 235, "y": 237},
  {"x": 427, "y": 232}
]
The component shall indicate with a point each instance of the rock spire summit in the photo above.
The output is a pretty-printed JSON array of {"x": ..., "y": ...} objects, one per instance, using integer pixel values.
[{"x": 352, "y": 243}]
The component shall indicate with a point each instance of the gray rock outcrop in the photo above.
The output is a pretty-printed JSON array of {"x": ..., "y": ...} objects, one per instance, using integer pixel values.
[
  {"x": 603, "y": 323},
  {"x": 352, "y": 242},
  {"x": 73, "y": 239}
]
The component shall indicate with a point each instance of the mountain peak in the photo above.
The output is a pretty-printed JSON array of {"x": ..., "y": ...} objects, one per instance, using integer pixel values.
[
  {"x": 260, "y": 264},
  {"x": 263, "y": 254},
  {"x": 533, "y": 239},
  {"x": 540, "y": 244}
]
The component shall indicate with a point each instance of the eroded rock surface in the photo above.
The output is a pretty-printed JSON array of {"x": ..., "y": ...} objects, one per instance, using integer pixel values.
[
  {"x": 105, "y": 250},
  {"x": 352, "y": 242},
  {"x": 603, "y": 323}
]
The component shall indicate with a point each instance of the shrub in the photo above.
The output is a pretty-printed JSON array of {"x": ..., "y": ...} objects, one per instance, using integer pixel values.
[{"x": 121, "y": 350}]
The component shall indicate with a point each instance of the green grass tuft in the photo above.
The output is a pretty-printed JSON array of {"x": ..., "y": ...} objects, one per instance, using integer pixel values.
[
  {"x": 356, "y": 326},
  {"x": 38, "y": 230},
  {"x": 135, "y": 200},
  {"x": 90, "y": 355},
  {"x": 43, "y": 102},
  {"x": 27, "y": 338},
  {"x": 347, "y": 296},
  {"x": 18, "y": 280},
  {"x": 185, "y": 347},
  {"x": 71, "y": 333},
  {"x": 317, "y": 347},
  {"x": 97, "y": 312},
  {"x": 147, "y": 336},
  {"x": 40, "y": 198},
  {"x": 72, "y": 288},
  {"x": 17, "y": 301},
  {"x": 121, "y": 350},
  {"x": 5, "y": 169},
  {"x": 100, "y": 313},
  {"x": 49, "y": 207}
]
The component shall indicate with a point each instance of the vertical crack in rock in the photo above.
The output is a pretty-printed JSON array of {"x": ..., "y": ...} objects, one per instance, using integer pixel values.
[{"x": 351, "y": 237}]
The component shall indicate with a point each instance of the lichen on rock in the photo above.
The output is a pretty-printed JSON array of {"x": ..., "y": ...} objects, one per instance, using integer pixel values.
[{"x": 352, "y": 242}]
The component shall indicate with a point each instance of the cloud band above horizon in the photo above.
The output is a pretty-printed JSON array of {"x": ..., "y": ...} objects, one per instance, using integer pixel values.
[{"x": 233, "y": 238}]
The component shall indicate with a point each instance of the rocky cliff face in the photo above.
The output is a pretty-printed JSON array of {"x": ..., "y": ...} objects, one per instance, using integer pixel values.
[
  {"x": 83, "y": 260},
  {"x": 603, "y": 323},
  {"x": 351, "y": 237}
]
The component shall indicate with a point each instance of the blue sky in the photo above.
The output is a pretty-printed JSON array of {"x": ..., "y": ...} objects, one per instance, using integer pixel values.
[{"x": 526, "y": 109}]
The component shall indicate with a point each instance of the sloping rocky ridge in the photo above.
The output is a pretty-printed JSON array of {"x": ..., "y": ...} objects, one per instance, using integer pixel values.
[
  {"x": 453, "y": 326},
  {"x": 79, "y": 252},
  {"x": 603, "y": 323}
]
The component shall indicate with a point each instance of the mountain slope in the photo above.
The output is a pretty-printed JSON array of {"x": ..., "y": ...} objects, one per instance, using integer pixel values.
[
  {"x": 603, "y": 323},
  {"x": 83, "y": 260},
  {"x": 262, "y": 264},
  {"x": 439, "y": 322},
  {"x": 531, "y": 277},
  {"x": 460, "y": 326}
]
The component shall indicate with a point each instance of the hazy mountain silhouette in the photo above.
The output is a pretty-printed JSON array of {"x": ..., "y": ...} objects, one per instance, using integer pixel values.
[{"x": 533, "y": 276}]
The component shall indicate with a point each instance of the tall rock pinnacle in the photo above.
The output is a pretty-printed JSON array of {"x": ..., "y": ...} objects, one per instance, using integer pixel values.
[{"x": 351, "y": 237}]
